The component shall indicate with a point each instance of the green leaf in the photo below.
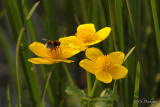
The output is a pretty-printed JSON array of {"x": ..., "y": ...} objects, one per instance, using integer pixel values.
[
  {"x": 106, "y": 98},
  {"x": 109, "y": 94},
  {"x": 73, "y": 90}
]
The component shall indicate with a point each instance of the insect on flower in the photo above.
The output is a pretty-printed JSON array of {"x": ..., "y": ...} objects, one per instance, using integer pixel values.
[
  {"x": 51, "y": 52},
  {"x": 51, "y": 44}
]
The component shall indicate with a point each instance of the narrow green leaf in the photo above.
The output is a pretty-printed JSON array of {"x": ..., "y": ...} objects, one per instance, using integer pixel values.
[
  {"x": 8, "y": 96},
  {"x": 7, "y": 51},
  {"x": 136, "y": 89},
  {"x": 68, "y": 74},
  {"x": 130, "y": 16},
  {"x": 92, "y": 12},
  {"x": 30, "y": 23},
  {"x": 50, "y": 23},
  {"x": 84, "y": 11},
  {"x": 16, "y": 24},
  {"x": 45, "y": 86},
  {"x": 18, "y": 47},
  {"x": 113, "y": 21},
  {"x": 49, "y": 89},
  {"x": 77, "y": 20},
  {"x": 119, "y": 19},
  {"x": 129, "y": 53},
  {"x": 156, "y": 23}
]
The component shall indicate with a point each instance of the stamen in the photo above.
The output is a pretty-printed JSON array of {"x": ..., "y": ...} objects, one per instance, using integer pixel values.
[
  {"x": 105, "y": 63},
  {"x": 86, "y": 35},
  {"x": 56, "y": 52}
]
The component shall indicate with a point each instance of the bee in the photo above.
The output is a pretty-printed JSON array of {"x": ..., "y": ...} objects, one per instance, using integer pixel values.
[{"x": 52, "y": 44}]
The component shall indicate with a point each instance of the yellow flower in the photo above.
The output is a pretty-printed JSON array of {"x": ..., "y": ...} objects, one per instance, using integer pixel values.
[
  {"x": 50, "y": 56},
  {"x": 86, "y": 35},
  {"x": 105, "y": 67}
]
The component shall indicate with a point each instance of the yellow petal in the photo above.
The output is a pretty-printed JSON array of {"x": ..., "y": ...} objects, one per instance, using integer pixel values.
[
  {"x": 63, "y": 60},
  {"x": 93, "y": 53},
  {"x": 41, "y": 61},
  {"x": 85, "y": 27},
  {"x": 118, "y": 71},
  {"x": 69, "y": 52},
  {"x": 71, "y": 41},
  {"x": 116, "y": 57},
  {"x": 39, "y": 49},
  {"x": 47, "y": 60},
  {"x": 103, "y": 33},
  {"x": 104, "y": 76},
  {"x": 89, "y": 66},
  {"x": 92, "y": 42},
  {"x": 86, "y": 33}
]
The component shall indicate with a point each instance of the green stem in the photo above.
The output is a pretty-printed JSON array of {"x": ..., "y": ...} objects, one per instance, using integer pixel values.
[
  {"x": 46, "y": 84},
  {"x": 89, "y": 103},
  {"x": 68, "y": 74},
  {"x": 89, "y": 86},
  {"x": 17, "y": 65},
  {"x": 94, "y": 88},
  {"x": 92, "y": 92},
  {"x": 89, "y": 82},
  {"x": 114, "y": 85}
]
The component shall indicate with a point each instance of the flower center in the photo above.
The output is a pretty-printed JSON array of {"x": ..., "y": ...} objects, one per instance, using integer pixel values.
[
  {"x": 86, "y": 35},
  {"x": 55, "y": 53},
  {"x": 105, "y": 63}
]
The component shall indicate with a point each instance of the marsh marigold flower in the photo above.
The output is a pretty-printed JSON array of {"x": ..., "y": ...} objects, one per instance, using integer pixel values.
[
  {"x": 105, "y": 67},
  {"x": 86, "y": 35},
  {"x": 50, "y": 56}
]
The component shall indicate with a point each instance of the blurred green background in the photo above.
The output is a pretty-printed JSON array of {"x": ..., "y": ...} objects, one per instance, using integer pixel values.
[{"x": 133, "y": 23}]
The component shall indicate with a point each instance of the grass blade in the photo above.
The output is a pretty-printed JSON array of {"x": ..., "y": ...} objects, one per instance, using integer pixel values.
[
  {"x": 130, "y": 16},
  {"x": 16, "y": 24},
  {"x": 68, "y": 74},
  {"x": 113, "y": 21},
  {"x": 45, "y": 86},
  {"x": 7, "y": 50},
  {"x": 49, "y": 89},
  {"x": 50, "y": 26},
  {"x": 84, "y": 11},
  {"x": 136, "y": 89},
  {"x": 156, "y": 26},
  {"x": 17, "y": 50},
  {"x": 118, "y": 10},
  {"x": 129, "y": 53}
]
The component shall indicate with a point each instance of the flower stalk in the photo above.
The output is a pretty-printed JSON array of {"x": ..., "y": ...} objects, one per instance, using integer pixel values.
[
  {"x": 68, "y": 74},
  {"x": 94, "y": 88},
  {"x": 89, "y": 83},
  {"x": 45, "y": 86}
]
